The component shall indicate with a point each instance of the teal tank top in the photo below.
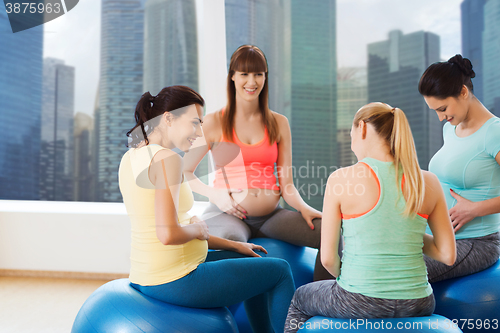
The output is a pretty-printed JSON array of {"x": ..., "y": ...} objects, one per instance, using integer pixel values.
[
  {"x": 382, "y": 254},
  {"x": 467, "y": 166}
]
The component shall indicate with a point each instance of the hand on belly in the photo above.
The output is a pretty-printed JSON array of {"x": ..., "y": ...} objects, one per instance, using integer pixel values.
[{"x": 256, "y": 201}]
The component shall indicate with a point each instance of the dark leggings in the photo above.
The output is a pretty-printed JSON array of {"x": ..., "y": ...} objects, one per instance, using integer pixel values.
[
  {"x": 473, "y": 255},
  {"x": 282, "y": 224},
  {"x": 327, "y": 298},
  {"x": 218, "y": 283}
]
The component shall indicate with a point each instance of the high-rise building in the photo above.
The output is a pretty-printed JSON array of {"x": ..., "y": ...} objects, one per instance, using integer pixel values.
[
  {"x": 170, "y": 44},
  {"x": 263, "y": 23},
  {"x": 352, "y": 94},
  {"x": 21, "y": 66},
  {"x": 298, "y": 39},
  {"x": 83, "y": 179},
  {"x": 472, "y": 39},
  {"x": 120, "y": 88},
  {"x": 57, "y": 150},
  {"x": 171, "y": 52},
  {"x": 94, "y": 150},
  {"x": 313, "y": 95},
  {"x": 394, "y": 69},
  {"x": 491, "y": 50}
]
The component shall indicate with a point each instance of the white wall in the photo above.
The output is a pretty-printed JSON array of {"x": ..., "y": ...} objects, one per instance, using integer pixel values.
[{"x": 66, "y": 236}]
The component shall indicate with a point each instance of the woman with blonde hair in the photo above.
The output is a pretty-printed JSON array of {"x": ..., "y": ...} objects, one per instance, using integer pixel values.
[
  {"x": 382, "y": 206},
  {"x": 247, "y": 139}
]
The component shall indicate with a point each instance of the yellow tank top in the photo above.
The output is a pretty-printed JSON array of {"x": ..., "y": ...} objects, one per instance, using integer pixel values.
[{"x": 151, "y": 262}]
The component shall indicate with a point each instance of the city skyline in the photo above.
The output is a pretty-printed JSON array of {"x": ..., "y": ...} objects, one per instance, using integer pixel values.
[
  {"x": 302, "y": 78},
  {"x": 394, "y": 69},
  {"x": 75, "y": 37}
]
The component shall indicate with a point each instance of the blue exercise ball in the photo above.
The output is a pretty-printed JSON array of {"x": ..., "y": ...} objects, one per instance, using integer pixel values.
[
  {"x": 434, "y": 323},
  {"x": 117, "y": 307},
  {"x": 473, "y": 300},
  {"x": 301, "y": 260}
]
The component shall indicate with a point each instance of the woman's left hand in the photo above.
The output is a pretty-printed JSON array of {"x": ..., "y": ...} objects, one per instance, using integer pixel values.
[
  {"x": 195, "y": 219},
  {"x": 248, "y": 249},
  {"x": 463, "y": 212},
  {"x": 309, "y": 214}
]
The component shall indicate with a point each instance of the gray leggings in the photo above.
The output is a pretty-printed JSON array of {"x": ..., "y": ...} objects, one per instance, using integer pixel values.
[
  {"x": 473, "y": 255},
  {"x": 327, "y": 298},
  {"x": 282, "y": 224}
]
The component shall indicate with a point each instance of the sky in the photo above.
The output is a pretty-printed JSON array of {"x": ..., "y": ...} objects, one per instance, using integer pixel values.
[{"x": 75, "y": 36}]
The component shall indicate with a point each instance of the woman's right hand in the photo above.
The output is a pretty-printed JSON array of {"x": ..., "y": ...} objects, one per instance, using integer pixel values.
[
  {"x": 224, "y": 201},
  {"x": 202, "y": 225}
]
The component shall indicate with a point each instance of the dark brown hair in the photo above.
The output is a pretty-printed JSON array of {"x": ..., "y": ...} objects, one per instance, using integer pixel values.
[
  {"x": 149, "y": 107},
  {"x": 248, "y": 59},
  {"x": 446, "y": 79}
]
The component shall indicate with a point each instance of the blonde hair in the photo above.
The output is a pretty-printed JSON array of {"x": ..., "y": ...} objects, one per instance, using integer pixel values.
[{"x": 392, "y": 125}]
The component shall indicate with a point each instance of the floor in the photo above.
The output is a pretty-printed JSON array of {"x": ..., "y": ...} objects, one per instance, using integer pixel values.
[{"x": 42, "y": 305}]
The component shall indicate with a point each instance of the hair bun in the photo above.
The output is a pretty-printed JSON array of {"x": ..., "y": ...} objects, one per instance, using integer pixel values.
[{"x": 464, "y": 64}]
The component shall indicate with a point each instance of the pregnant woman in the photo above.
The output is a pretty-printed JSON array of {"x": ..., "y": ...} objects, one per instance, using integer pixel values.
[
  {"x": 247, "y": 139},
  {"x": 169, "y": 258},
  {"x": 468, "y": 167}
]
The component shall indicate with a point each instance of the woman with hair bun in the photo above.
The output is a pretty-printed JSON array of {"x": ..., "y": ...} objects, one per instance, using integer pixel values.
[
  {"x": 169, "y": 259},
  {"x": 468, "y": 166},
  {"x": 382, "y": 206}
]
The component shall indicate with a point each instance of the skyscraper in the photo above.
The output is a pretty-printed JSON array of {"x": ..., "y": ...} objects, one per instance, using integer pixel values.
[
  {"x": 352, "y": 93},
  {"x": 171, "y": 52},
  {"x": 20, "y": 110},
  {"x": 394, "y": 69},
  {"x": 57, "y": 151},
  {"x": 313, "y": 95},
  {"x": 472, "y": 39},
  {"x": 170, "y": 44},
  {"x": 491, "y": 50},
  {"x": 263, "y": 23},
  {"x": 83, "y": 179},
  {"x": 298, "y": 39},
  {"x": 120, "y": 88}
]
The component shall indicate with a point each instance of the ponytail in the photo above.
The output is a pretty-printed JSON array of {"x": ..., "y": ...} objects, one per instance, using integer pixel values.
[
  {"x": 392, "y": 125},
  {"x": 142, "y": 111},
  {"x": 405, "y": 154},
  {"x": 150, "y": 107}
]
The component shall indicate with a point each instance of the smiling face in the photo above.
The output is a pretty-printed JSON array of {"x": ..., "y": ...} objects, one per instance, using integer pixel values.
[
  {"x": 185, "y": 128},
  {"x": 452, "y": 109},
  {"x": 248, "y": 85}
]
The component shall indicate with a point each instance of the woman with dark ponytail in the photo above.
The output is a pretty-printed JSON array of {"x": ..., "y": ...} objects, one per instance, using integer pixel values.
[
  {"x": 468, "y": 166},
  {"x": 169, "y": 259},
  {"x": 382, "y": 206}
]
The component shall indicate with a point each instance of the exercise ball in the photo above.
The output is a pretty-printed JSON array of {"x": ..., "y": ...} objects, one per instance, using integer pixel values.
[
  {"x": 434, "y": 323},
  {"x": 472, "y": 300},
  {"x": 301, "y": 260},
  {"x": 116, "y": 307}
]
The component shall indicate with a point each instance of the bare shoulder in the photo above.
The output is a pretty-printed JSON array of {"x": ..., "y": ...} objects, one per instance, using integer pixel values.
[
  {"x": 212, "y": 126},
  {"x": 169, "y": 158},
  {"x": 280, "y": 119},
  {"x": 283, "y": 126},
  {"x": 342, "y": 175},
  {"x": 431, "y": 180},
  {"x": 432, "y": 184}
]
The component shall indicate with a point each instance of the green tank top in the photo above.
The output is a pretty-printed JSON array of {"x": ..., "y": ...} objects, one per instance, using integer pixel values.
[{"x": 382, "y": 254}]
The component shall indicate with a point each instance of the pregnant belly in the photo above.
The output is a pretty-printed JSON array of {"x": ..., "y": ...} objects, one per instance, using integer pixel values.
[{"x": 256, "y": 201}]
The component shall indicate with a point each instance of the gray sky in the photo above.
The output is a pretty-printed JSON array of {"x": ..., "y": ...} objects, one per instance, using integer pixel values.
[{"x": 75, "y": 37}]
